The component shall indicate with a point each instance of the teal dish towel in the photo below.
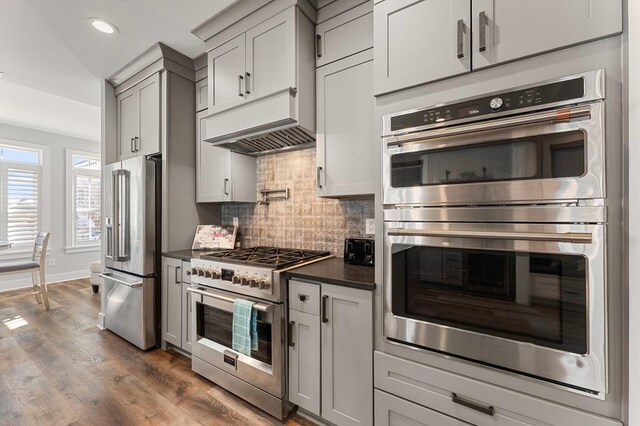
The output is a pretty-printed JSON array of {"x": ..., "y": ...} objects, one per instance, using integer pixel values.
[{"x": 245, "y": 322}]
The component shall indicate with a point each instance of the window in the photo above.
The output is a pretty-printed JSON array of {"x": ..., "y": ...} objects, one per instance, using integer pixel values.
[
  {"x": 20, "y": 194},
  {"x": 84, "y": 199}
]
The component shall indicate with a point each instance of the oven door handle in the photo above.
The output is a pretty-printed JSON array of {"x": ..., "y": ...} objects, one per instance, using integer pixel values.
[
  {"x": 565, "y": 237},
  {"x": 555, "y": 116},
  {"x": 258, "y": 306}
]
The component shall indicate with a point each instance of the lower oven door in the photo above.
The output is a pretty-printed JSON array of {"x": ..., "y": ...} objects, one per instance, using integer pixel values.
[
  {"x": 527, "y": 298},
  {"x": 213, "y": 325}
]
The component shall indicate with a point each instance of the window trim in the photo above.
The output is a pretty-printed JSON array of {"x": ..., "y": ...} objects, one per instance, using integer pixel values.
[
  {"x": 71, "y": 246},
  {"x": 24, "y": 251}
]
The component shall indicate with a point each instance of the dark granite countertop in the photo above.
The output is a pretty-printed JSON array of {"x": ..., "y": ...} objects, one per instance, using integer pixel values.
[
  {"x": 187, "y": 254},
  {"x": 335, "y": 271}
]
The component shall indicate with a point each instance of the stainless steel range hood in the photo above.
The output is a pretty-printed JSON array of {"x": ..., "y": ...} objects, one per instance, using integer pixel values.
[{"x": 273, "y": 123}]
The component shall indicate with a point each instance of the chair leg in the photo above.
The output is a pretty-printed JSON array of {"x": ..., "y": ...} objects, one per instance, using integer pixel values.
[
  {"x": 36, "y": 290},
  {"x": 43, "y": 290}
]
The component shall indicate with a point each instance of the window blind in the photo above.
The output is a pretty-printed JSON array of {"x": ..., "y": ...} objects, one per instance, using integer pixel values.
[
  {"x": 22, "y": 201},
  {"x": 87, "y": 199}
]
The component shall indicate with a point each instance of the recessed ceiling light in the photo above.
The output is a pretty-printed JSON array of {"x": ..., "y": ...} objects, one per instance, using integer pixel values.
[{"x": 103, "y": 26}]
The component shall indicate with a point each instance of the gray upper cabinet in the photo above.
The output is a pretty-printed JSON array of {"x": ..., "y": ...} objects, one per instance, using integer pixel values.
[
  {"x": 226, "y": 67},
  {"x": 171, "y": 280},
  {"x": 222, "y": 175},
  {"x": 347, "y": 356},
  {"x": 138, "y": 119},
  {"x": 271, "y": 55},
  {"x": 345, "y": 127},
  {"x": 505, "y": 30},
  {"x": 346, "y": 34},
  {"x": 202, "y": 94},
  {"x": 254, "y": 64},
  {"x": 418, "y": 41}
]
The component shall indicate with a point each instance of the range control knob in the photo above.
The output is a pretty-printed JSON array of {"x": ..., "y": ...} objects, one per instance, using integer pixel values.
[
  {"x": 216, "y": 274},
  {"x": 244, "y": 280},
  {"x": 236, "y": 279},
  {"x": 264, "y": 284},
  {"x": 200, "y": 272},
  {"x": 194, "y": 271},
  {"x": 253, "y": 282},
  {"x": 496, "y": 103}
]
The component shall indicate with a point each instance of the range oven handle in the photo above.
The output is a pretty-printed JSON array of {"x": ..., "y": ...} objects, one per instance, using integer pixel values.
[
  {"x": 565, "y": 237},
  {"x": 258, "y": 306},
  {"x": 109, "y": 276},
  {"x": 555, "y": 116}
]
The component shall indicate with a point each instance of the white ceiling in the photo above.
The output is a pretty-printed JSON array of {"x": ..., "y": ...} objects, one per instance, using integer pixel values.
[{"x": 49, "y": 45}]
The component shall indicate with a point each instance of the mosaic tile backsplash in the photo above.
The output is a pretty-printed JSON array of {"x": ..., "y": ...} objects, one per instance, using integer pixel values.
[{"x": 304, "y": 220}]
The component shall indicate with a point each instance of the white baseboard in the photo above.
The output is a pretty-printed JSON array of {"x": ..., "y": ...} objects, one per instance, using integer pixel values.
[{"x": 25, "y": 281}]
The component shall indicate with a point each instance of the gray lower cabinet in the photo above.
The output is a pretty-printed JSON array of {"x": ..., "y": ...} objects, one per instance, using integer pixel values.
[
  {"x": 331, "y": 352},
  {"x": 393, "y": 411},
  {"x": 171, "y": 279},
  {"x": 345, "y": 129},
  {"x": 176, "y": 324}
]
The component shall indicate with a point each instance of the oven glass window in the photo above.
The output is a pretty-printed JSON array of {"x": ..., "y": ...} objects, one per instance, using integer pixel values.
[
  {"x": 216, "y": 325},
  {"x": 556, "y": 155},
  {"x": 529, "y": 297}
]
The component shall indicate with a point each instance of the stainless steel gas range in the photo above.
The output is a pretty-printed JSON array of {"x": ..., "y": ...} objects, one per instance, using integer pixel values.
[{"x": 255, "y": 274}]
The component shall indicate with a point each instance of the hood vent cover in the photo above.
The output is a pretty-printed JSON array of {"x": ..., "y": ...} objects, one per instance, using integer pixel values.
[
  {"x": 280, "y": 140},
  {"x": 277, "y": 122}
]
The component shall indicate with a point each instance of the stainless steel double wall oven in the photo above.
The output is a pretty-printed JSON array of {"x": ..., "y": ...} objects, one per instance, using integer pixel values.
[{"x": 495, "y": 230}]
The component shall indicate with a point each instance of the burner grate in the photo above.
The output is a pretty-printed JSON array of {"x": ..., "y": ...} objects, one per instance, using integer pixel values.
[{"x": 271, "y": 257}]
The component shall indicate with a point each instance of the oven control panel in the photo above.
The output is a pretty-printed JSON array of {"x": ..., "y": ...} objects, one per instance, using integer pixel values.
[
  {"x": 484, "y": 106},
  {"x": 231, "y": 276}
]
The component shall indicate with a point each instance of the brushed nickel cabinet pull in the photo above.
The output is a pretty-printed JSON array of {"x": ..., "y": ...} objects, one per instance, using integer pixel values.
[
  {"x": 318, "y": 45},
  {"x": 132, "y": 145},
  {"x": 226, "y": 191},
  {"x": 318, "y": 171},
  {"x": 177, "y": 275},
  {"x": 460, "y": 39},
  {"x": 290, "y": 334},
  {"x": 247, "y": 83},
  {"x": 482, "y": 42},
  {"x": 488, "y": 410},
  {"x": 324, "y": 309},
  {"x": 240, "y": 79}
]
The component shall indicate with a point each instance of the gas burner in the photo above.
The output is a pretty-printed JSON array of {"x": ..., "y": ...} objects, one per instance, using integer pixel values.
[{"x": 268, "y": 257}]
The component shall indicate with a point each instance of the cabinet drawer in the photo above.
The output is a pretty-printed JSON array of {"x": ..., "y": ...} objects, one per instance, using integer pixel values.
[
  {"x": 345, "y": 35},
  {"x": 393, "y": 411},
  {"x": 434, "y": 388},
  {"x": 304, "y": 297},
  {"x": 186, "y": 272}
]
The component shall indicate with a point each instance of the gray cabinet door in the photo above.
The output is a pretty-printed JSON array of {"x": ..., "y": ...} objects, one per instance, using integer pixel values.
[
  {"x": 243, "y": 179},
  {"x": 213, "y": 168},
  {"x": 226, "y": 67},
  {"x": 304, "y": 361},
  {"x": 149, "y": 132},
  {"x": 271, "y": 55},
  {"x": 346, "y": 34},
  {"x": 347, "y": 356},
  {"x": 393, "y": 411},
  {"x": 171, "y": 280},
  {"x": 202, "y": 92},
  {"x": 187, "y": 332},
  {"x": 127, "y": 122},
  {"x": 419, "y": 41},
  {"x": 345, "y": 136},
  {"x": 513, "y": 29}
]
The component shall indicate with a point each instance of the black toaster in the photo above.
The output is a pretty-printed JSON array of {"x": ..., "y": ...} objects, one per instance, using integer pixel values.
[{"x": 359, "y": 251}]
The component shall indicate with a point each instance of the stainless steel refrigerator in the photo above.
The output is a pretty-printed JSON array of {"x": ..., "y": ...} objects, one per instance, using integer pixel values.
[{"x": 130, "y": 291}]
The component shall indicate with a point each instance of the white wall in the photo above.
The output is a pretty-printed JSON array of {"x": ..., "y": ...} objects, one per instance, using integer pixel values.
[{"x": 68, "y": 266}]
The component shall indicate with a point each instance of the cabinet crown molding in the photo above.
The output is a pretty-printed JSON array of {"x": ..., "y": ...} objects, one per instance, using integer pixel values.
[
  {"x": 154, "y": 59},
  {"x": 244, "y": 15}
]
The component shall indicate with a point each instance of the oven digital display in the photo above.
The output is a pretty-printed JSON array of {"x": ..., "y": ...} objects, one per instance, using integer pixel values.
[
  {"x": 468, "y": 111},
  {"x": 227, "y": 274}
]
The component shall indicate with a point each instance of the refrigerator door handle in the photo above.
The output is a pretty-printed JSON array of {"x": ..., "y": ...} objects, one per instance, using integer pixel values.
[
  {"x": 116, "y": 213},
  {"x": 121, "y": 215}
]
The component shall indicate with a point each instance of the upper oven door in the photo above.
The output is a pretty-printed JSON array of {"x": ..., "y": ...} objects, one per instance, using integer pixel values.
[
  {"x": 528, "y": 298},
  {"x": 213, "y": 324},
  {"x": 549, "y": 156}
]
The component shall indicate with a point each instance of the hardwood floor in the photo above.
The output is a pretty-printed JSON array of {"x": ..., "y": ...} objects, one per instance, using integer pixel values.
[{"x": 57, "y": 368}]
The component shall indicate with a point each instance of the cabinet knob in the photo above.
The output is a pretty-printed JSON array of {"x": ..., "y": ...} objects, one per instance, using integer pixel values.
[{"x": 303, "y": 297}]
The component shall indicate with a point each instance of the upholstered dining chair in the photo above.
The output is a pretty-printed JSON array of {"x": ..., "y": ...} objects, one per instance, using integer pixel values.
[{"x": 35, "y": 266}]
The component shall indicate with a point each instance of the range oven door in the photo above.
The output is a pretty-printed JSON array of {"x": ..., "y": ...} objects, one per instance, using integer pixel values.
[
  {"x": 529, "y": 298},
  {"x": 549, "y": 156},
  {"x": 213, "y": 323}
]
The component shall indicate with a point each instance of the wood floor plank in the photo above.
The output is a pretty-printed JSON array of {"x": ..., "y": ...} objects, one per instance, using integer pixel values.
[{"x": 57, "y": 368}]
